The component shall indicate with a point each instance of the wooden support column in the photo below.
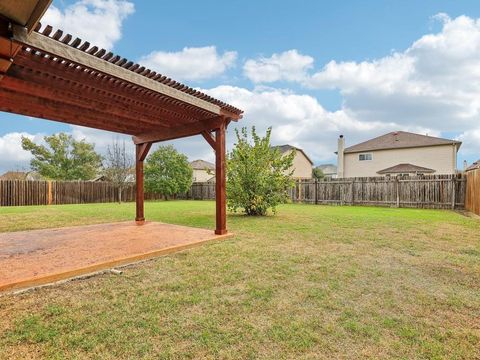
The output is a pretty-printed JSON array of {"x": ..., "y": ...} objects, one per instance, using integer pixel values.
[
  {"x": 220, "y": 178},
  {"x": 141, "y": 154}
]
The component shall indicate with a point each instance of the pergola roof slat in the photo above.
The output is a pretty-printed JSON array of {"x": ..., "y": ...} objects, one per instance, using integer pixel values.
[
  {"x": 39, "y": 40},
  {"x": 42, "y": 64},
  {"x": 91, "y": 84}
]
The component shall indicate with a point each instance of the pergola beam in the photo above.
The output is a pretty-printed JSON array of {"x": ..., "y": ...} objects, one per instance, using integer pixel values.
[
  {"x": 207, "y": 135},
  {"x": 56, "y": 48},
  {"x": 180, "y": 131}
]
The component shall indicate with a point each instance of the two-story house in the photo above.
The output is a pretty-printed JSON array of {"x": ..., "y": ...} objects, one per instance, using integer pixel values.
[
  {"x": 302, "y": 165},
  {"x": 398, "y": 153},
  {"x": 203, "y": 171}
]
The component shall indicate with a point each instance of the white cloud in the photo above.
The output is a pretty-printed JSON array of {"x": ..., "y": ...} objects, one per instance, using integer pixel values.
[
  {"x": 101, "y": 139},
  {"x": 96, "y": 21},
  {"x": 470, "y": 142},
  {"x": 13, "y": 156},
  {"x": 192, "y": 63},
  {"x": 435, "y": 83},
  {"x": 384, "y": 75},
  {"x": 432, "y": 85},
  {"x": 301, "y": 120},
  {"x": 289, "y": 65}
]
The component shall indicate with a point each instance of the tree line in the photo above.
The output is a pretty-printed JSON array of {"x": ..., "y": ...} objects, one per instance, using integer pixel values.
[{"x": 258, "y": 176}]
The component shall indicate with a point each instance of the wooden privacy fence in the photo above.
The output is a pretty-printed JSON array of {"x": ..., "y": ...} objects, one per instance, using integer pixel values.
[
  {"x": 21, "y": 192},
  {"x": 435, "y": 191},
  {"x": 472, "y": 200}
]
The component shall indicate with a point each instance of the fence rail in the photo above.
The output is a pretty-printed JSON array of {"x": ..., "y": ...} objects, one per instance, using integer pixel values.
[{"x": 435, "y": 191}]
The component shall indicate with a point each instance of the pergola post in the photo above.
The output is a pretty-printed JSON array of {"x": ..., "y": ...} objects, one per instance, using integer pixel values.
[
  {"x": 220, "y": 178},
  {"x": 141, "y": 151}
]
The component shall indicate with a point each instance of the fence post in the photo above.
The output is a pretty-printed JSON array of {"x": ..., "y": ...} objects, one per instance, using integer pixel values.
[
  {"x": 397, "y": 186},
  {"x": 454, "y": 190},
  {"x": 352, "y": 196},
  {"x": 315, "y": 192},
  {"x": 299, "y": 190},
  {"x": 49, "y": 192}
]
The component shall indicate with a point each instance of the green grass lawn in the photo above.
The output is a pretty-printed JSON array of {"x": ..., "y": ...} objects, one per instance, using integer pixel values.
[{"x": 312, "y": 282}]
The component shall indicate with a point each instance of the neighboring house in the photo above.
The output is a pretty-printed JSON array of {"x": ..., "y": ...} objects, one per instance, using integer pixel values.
[
  {"x": 103, "y": 178},
  {"x": 398, "y": 153},
  {"x": 100, "y": 178},
  {"x": 474, "y": 166},
  {"x": 302, "y": 165},
  {"x": 328, "y": 170},
  {"x": 21, "y": 175},
  {"x": 203, "y": 171},
  {"x": 13, "y": 175}
]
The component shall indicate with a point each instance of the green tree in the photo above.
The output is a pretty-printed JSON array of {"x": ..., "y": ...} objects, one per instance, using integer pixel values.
[
  {"x": 167, "y": 172},
  {"x": 258, "y": 176},
  {"x": 64, "y": 158},
  {"x": 318, "y": 173}
]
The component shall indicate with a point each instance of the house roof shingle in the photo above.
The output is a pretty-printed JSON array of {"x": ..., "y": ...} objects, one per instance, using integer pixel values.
[
  {"x": 202, "y": 165},
  {"x": 14, "y": 175},
  {"x": 399, "y": 140},
  {"x": 284, "y": 148},
  {"x": 405, "y": 169},
  {"x": 474, "y": 166}
]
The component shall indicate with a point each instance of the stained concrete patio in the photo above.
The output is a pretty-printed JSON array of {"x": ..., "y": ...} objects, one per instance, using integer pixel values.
[{"x": 37, "y": 257}]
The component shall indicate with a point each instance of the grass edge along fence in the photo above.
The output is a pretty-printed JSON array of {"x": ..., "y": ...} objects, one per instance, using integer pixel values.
[{"x": 432, "y": 191}]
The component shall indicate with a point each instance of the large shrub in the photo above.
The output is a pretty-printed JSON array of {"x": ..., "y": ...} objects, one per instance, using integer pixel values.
[
  {"x": 258, "y": 176},
  {"x": 167, "y": 172}
]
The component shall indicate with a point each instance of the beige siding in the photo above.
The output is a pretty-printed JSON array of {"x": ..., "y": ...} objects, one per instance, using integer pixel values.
[
  {"x": 302, "y": 167},
  {"x": 202, "y": 175},
  {"x": 440, "y": 158}
]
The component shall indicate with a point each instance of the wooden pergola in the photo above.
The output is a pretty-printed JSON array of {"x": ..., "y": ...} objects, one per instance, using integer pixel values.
[{"x": 52, "y": 75}]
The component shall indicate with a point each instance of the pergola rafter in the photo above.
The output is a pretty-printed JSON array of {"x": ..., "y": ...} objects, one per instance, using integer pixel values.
[{"x": 52, "y": 75}]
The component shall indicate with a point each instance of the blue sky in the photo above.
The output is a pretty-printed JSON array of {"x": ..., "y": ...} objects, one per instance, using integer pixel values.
[{"x": 311, "y": 69}]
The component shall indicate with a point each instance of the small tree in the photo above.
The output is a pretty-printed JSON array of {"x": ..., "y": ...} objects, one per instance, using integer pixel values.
[
  {"x": 118, "y": 166},
  {"x": 318, "y": 173},
  {"x": 64, "y": 158},
  {"x": 167, "y": 172},
  {"x": 258, "y": 176}
]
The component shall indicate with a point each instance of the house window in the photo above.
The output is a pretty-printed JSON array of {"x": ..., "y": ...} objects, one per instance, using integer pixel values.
[{"x": 364, "y": 157}]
